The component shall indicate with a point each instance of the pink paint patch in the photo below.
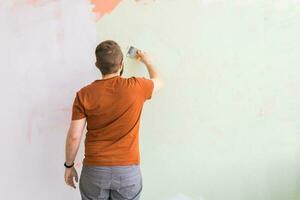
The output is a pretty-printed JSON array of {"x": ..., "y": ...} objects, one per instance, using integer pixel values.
[
  {"x": 32, "y": 1},
  {"x": 39, "y": 2},
  {"x": 265, "y": 110},
  {"x": 217, "y": 131},
  {"x": 102, "y": 7},
  {"x": 78, "y": 164}
]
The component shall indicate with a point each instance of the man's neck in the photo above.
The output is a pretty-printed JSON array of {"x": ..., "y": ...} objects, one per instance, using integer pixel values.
[{"x": 109, "y": 76}]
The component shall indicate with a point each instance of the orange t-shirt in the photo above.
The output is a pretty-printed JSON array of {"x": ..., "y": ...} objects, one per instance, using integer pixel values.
[{"x": 112, "y": 108}]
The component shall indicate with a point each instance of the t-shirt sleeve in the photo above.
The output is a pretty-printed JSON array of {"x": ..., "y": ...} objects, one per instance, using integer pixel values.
[
  {"x": 147, "y": 86},
  {"x": 78, "y": 111}
]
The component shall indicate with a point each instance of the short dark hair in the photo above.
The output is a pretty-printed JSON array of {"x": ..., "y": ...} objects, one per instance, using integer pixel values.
[{"x": 109, "y": 56}]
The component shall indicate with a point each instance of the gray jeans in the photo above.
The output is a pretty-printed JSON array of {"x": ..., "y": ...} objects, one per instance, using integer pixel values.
[{"x": 110, "y": 182}]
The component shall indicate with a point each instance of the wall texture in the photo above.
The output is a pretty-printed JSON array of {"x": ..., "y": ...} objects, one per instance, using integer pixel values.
[{"x": 226, "y": 125}]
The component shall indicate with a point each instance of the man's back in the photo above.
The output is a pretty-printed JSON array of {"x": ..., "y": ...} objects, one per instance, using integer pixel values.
[{"x": 113, "y": 108}]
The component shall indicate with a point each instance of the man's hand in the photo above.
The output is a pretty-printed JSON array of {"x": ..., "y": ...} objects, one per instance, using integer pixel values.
[
  {"x": 143, "y": 57},
  {"x": 71, "y": 173}
]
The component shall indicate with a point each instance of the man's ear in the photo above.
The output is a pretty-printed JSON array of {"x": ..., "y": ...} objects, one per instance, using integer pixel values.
[
  {"x": 98, "y": 64},
  {"x": 121, "y": 66},
  {"x": 121, "y": 69}
]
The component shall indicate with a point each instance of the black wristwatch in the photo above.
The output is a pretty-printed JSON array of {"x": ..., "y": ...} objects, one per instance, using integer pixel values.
[{"x": 68, "y": 166}]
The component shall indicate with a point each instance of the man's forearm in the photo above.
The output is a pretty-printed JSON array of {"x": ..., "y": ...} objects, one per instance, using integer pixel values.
[
  {"x": 153, "y": 73},
  {"x": 72, "y": 146}
]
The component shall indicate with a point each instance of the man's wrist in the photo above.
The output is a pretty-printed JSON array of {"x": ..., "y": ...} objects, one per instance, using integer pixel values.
[
  {"x": 67, "y": 165},
  {"x": 148, "y": 63}
]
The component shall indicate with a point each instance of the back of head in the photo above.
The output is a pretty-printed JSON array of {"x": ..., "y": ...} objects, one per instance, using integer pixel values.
[{"x": 109, "y": 57}]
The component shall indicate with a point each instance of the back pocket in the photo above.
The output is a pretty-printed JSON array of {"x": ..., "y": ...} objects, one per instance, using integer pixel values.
[{"x": 131, "y": 186}]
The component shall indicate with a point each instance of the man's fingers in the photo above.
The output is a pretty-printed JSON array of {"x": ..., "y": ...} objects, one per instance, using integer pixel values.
[
  {"x": 69, "y": 177},
  {"x": 71, "y": 182},
  {"x": 139, "y": 53}
]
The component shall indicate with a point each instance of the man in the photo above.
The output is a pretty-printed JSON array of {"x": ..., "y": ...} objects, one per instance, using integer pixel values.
[{"x": 112, "y": 108}]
